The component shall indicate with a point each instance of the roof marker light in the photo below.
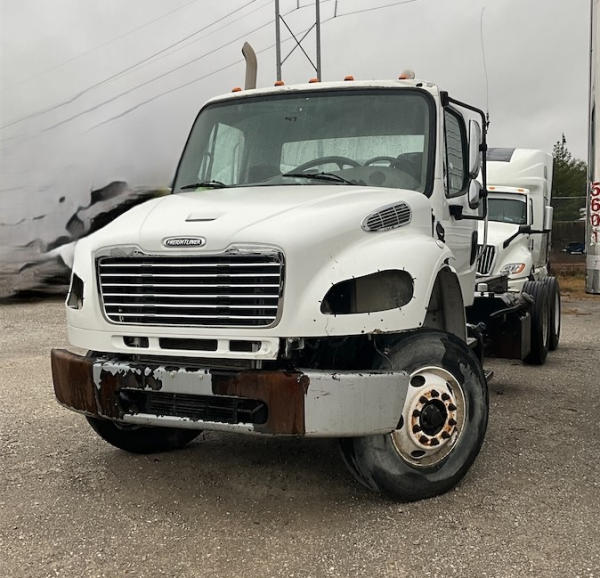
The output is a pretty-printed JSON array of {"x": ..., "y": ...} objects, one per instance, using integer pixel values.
[
  {"x": 349, "y": 77},
  {"x": 236, "y": 89},
  {"x": 407, "y": 75},
  {"x": 313, "y": 80},
  {"x": 278, "y": 83}
]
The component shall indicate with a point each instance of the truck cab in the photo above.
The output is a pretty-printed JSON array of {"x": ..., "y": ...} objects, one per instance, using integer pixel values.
[
  {"x": 519, "y": 188},
  {"x": 307, "y": 276}
]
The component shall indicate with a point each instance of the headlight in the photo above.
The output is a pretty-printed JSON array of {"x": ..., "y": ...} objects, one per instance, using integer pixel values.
[{"x": 513, "y": 268}]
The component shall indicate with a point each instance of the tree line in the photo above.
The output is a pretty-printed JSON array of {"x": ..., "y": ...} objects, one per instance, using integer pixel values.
[{"x": 569, "y": 180}]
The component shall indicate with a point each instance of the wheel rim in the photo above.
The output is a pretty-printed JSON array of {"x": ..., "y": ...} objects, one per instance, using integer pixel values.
[
  {"x": 556, "y": 313},
  {"x": 433, "y": 417}
]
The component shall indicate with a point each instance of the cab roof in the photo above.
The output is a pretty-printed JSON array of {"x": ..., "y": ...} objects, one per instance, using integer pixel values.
[{"x": 316, "y": 86}]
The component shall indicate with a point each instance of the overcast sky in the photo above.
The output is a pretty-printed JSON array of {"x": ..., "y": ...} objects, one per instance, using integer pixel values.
[{"x": 79, "y": 111}]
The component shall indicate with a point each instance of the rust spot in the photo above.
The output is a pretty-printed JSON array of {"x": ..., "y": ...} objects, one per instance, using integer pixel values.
[
  {"x": 107, "y": 394},
  {"x": 282, "y": 392},
  {"x": 72, "y": 377},
  {"x": 74, "y": 385}
]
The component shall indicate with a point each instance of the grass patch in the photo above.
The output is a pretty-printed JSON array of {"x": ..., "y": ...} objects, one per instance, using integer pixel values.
[{"x": 573, "y": 287}]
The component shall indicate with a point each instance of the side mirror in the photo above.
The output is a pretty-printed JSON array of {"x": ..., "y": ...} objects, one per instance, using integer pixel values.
[
  {"x": 548, "y": 215},
  {"x": 474, "y": 149},
  {"x": 474, "y": 193},
  {"x": 524, "y": 229}
]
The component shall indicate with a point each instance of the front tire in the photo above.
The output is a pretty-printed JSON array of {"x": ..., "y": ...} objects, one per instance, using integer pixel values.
[
  {"x": 141, "y": 439},
  {"x": 442, "y": 426}
]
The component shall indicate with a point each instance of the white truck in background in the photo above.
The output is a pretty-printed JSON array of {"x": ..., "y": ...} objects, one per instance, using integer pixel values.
[
  {"x": 519, "y": 240},
  {"x": 519, "y": 188}
]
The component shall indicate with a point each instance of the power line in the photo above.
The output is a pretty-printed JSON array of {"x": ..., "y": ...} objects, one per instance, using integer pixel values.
[
  {"x": 232, "y": 21},
  {"x": 108, "y": 42},
  {"x": 155, "y": 78},
  {"x": 124, "y": 70},
  {"x": 162, "y": 75},
  {"x": 190, "y": 82},
  {"x": 375, "y": 8},
  {"x": 204, "y": 76},
  {"x": 231, "y": 64}
]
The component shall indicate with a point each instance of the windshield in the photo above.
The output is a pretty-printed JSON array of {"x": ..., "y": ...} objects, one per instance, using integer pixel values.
[
  {"x": 379, "y": 138},
  {"x": 508, "y": 210}
]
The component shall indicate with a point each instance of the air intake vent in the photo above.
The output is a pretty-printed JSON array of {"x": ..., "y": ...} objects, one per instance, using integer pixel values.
[
  {"x": 486, "y": 259},
  {"x": 388, "y": 217}
]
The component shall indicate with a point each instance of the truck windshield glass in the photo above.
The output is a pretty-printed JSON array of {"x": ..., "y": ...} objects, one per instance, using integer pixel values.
[
  {"x": 512, "y": 211},
  {"x": 376, "y": 137}
]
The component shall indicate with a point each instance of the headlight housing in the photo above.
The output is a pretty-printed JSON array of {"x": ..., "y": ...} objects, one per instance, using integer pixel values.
[
  {"x": 75, "y": 296},
  {"x": 513, "y": 268}
]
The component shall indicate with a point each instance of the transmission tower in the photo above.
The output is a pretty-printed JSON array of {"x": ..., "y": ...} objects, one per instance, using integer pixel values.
[{"x": 279, "y": 19}]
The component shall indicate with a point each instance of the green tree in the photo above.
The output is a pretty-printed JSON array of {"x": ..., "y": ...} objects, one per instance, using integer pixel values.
[{"x": 569, "y": 180}]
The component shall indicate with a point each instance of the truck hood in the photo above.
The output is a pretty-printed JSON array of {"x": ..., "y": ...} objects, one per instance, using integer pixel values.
[{"x": 270, "y": 215}]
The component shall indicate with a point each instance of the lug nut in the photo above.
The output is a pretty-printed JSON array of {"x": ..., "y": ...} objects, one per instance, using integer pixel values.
[
  {"x": 445, "y": 435},
  {"x": 416, "y": 428},
  {"x": 423, "y": 399},
  {"x": 451, "y": 407},
  {"x": 452, "y": 422},
  {"x": 445, "y": 396},
  {"x": 416, "y": 413},
  {"x": 435, "y": 442},
  {"x": 423, "y": 439},
  {"x": 434, "y": 393}
]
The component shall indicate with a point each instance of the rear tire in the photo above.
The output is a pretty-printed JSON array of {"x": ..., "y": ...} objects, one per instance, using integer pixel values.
[
  {"x": 141, "y": 439},
  {"x": 540, "y": 322},
  {"x": 447, "y": 401},
  {"x": 555, "y": 312}
]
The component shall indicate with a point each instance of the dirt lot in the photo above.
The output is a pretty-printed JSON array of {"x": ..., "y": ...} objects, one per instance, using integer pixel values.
[{"x": 70, "y": 505}]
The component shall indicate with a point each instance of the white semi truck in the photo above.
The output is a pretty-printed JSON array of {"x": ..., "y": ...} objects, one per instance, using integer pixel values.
[
  {"x": 310, "y": 275},
  {"x": 519, "y": 188},
  {"x": 519, "y": 185}
]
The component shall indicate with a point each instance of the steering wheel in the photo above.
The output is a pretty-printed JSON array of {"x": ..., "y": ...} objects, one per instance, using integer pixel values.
[
  {"x": 393, "y": 161},
  {"x": 339, "y": 161}
]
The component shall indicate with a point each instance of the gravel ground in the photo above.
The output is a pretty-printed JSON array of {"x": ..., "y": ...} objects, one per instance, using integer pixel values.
[{"x": 70, "y": 505}]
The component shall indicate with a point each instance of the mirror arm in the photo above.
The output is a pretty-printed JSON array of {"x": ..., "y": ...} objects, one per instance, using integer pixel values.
[
  {"x": 525, "y": 232},
  {"x": 510, "y": 239},
  {"x": 446, "y": 100}
]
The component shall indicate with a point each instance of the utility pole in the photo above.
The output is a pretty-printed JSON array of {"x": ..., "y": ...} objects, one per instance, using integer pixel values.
[
  {"x": 279, "y": 19},
  {"x": 592, "y": 223}
]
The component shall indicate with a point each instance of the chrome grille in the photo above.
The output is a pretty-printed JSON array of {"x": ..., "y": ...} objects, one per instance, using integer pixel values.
[
  {"x": 388, "y": 217},
  {"x": 486, "y": 259},
  {"x": 222, "y": 290}
]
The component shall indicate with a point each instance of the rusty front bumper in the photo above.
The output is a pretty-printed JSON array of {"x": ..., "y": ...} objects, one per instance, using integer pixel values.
[{"x": 300, "y": 402}]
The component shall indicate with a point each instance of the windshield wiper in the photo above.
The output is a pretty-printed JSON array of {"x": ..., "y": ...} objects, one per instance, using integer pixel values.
[
  {"x": 208, "y": 184},
  {"x": 320, "y": 177}
]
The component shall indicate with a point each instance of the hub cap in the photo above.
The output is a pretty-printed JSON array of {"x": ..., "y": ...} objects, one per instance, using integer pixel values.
[{"x": 432, "y": 418}]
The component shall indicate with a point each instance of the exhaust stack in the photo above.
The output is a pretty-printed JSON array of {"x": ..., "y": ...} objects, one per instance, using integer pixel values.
[{"x": 251, "y": 66}]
